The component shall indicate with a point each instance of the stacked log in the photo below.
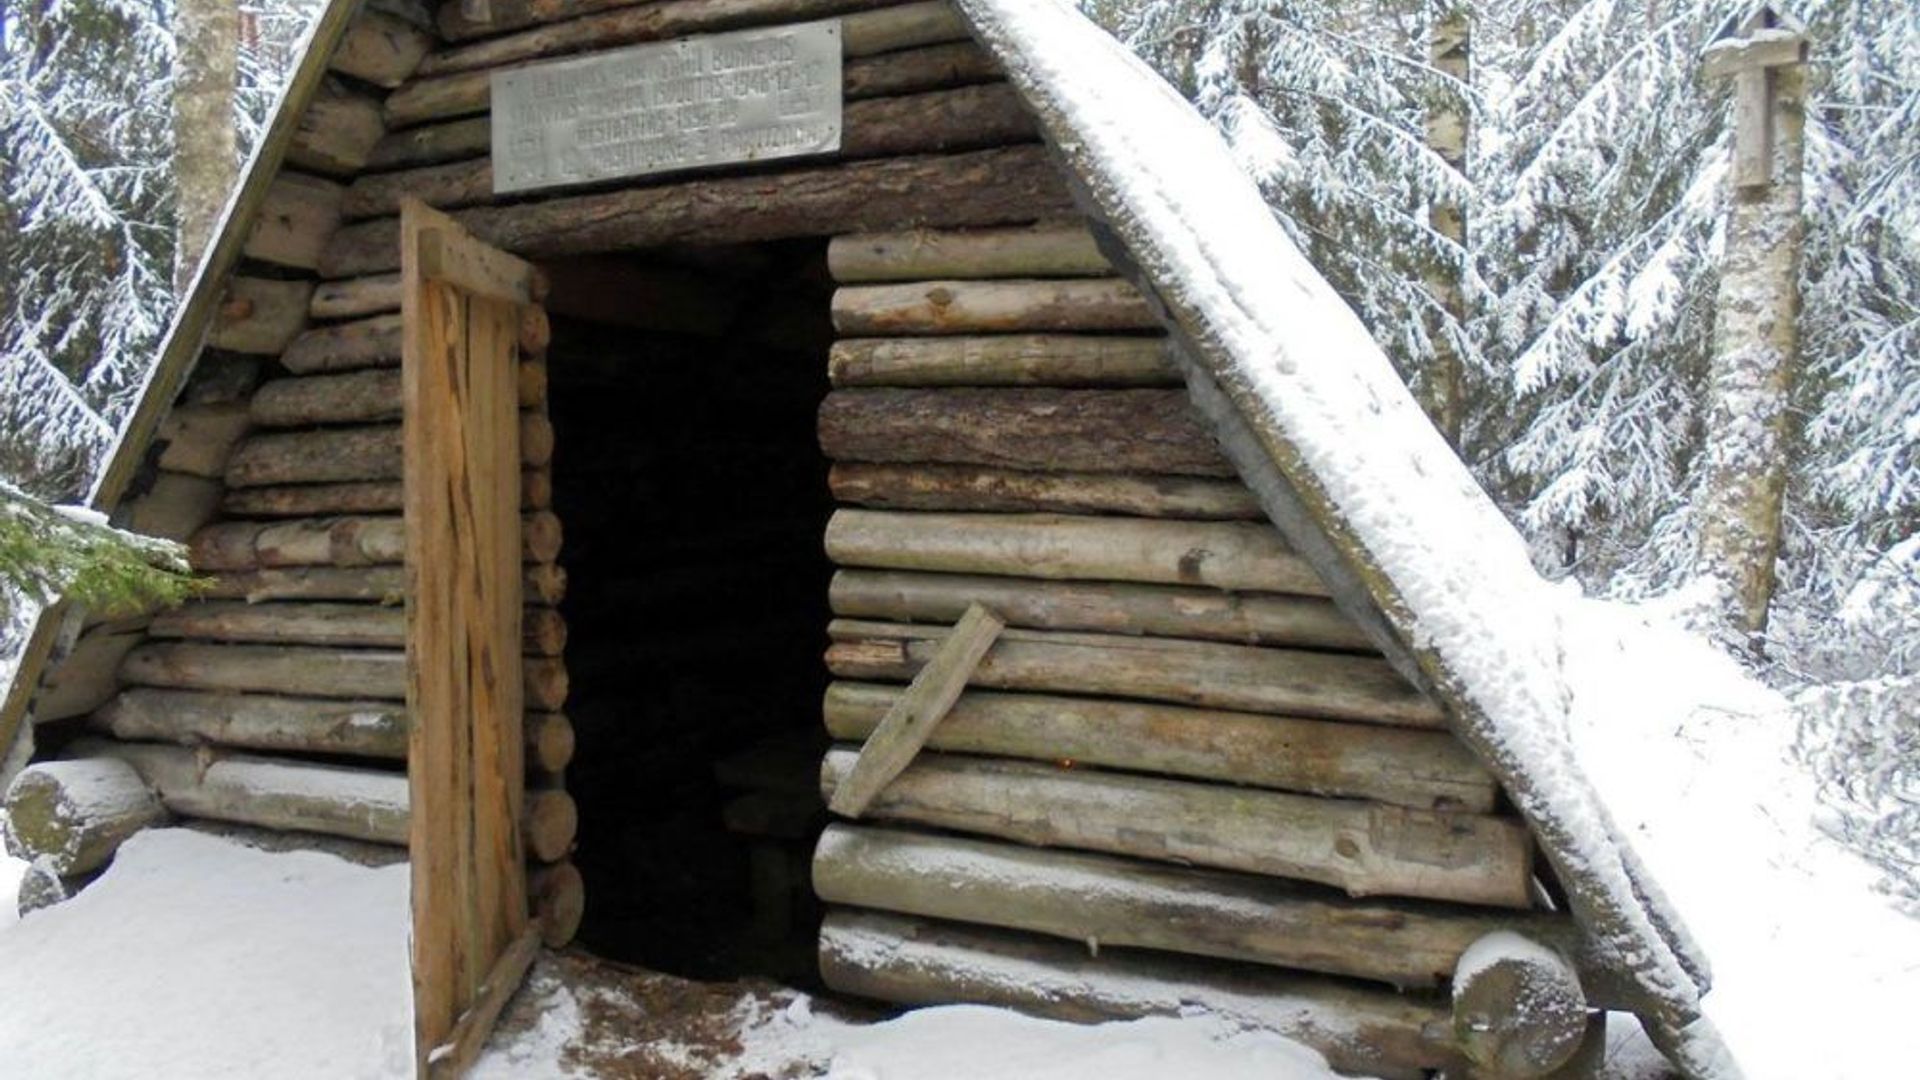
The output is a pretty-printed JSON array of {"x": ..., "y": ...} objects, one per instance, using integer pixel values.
[{"x": 1221, "y": 760}]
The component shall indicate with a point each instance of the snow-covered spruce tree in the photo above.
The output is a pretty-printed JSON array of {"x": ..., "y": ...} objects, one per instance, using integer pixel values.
[
  {"x": 1325, "y": 104},
  {"x": 48, "y": 552},
  {"x": 86, "y": 213}
]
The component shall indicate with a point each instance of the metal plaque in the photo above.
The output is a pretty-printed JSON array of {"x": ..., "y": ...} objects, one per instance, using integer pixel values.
[{"x": 751, "y": 95}]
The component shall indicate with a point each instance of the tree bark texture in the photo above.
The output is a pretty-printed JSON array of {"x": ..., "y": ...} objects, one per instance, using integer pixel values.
[{"x": 205, "y": 160}]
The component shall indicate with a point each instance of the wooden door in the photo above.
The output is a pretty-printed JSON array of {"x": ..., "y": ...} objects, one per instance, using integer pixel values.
[{"x": 463, "y": 304}]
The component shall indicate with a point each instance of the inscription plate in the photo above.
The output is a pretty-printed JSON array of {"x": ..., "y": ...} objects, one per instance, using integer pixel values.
[{"x": 750, "y": 95}]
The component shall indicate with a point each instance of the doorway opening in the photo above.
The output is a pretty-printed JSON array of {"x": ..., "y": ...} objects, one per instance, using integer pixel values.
[{"x": 683, "y": 387}]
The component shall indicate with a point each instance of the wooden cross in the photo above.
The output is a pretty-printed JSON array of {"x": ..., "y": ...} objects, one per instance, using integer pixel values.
[{"x": 1749, "y": 53}]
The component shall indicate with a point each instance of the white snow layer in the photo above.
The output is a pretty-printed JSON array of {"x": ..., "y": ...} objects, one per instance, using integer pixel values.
[
  {"x": 1294, "y": 360},
  {"x": 198, "y": 957}
]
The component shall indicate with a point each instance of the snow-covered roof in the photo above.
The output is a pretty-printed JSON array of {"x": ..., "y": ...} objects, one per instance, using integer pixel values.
[
  {"x": 1315, "y": 417},
  {"x": 1307, "y": 406}
]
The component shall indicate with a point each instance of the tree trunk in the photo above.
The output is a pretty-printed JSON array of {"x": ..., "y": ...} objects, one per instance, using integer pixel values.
[
  {"x": 1218, "y": 554},
  {"x": 71, "y": 816},
  {"x": 1063, "y": 360},
  {"x": 1099, "y": 431},
  {"x": 1100, "y": 901},
  {"x": 205, "y": 159},
  {"x": 969, "y": 488},
  {"x": 376, "y": 729},
  {"x": 1290, "y": 682},
  {"x": 1442, "y": 385},
  {"x": 1424, "y": 770},
  {"x": 917, "y": 962},
  {"x": 1367, "y": 849},
  {"x": 1105, "y": 607},
  {"x": 1750, "y": 389}
]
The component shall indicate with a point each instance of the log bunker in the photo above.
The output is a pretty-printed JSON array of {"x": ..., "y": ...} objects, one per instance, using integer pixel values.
[{"x": 717, "y": 471}]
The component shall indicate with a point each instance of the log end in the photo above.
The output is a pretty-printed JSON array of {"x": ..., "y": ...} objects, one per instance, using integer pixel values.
[
  {"x": 552, "y": 819},
  {"x": 71, "y": 816},
  {"x": 1519, "y": 1012}
]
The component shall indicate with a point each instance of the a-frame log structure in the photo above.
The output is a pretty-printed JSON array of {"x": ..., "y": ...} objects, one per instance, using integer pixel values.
[{"x": 1259, "y": 736}]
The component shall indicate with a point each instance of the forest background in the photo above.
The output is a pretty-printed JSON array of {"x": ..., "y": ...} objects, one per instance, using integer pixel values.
[{"x": 1567, "y": 323}]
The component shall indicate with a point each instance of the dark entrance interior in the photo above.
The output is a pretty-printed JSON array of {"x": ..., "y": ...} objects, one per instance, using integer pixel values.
[{"x": 683, "y": 390}]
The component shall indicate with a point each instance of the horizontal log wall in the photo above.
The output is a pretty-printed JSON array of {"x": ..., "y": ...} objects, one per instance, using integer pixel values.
[{"x": 1176, "y": 704}]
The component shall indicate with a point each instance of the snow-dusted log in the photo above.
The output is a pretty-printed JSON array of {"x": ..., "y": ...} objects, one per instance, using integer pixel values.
[
  {"x": 347, "y": 541},
  {"x": 1101, "y": 901},
  {"x": 1218, "y": 554},
  {"x": 964, "y": 118},
  {"x": 371, "y": 452},
  {"x": 970, "y": 488},
  {"x": 1291, "y": 682},
  {"x": 1427, "y": 770},
  {"x": 1033, "y": 251},
  {"x": 40, "y": 888},
  {"x": 1107, "y": 607},
  {"x": 541, "y": 584},
  {"x": 1518, "y": 1010},
  {"x": 920, "y": 962},
  {"x": 71, "y": 816},
  {"x": 1065, "y": 360},
  {"x": 360, "y": 804},
  {"x": 1368, "y": 849},
  {"x": 306, "y": 672},
  {"x": 1046, "y": 430},
  {"x": 958, "y": 306}
]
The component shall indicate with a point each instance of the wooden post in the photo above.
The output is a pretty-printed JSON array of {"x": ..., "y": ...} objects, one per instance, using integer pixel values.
[
  {"x": 1755, "y": 340},
  {"x": 461, "y": 307}
]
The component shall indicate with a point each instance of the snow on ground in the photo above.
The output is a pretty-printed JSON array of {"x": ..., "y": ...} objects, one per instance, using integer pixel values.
[
  {"x": 198, "y": 958},
  {"x": 1815, "y": 972}
]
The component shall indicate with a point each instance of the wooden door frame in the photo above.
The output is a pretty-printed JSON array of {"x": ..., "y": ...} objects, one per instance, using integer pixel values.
[{"x": 472, "y": 940}]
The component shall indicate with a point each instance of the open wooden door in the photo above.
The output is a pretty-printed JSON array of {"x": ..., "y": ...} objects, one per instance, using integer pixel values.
[{"x": 463, "y": 304}]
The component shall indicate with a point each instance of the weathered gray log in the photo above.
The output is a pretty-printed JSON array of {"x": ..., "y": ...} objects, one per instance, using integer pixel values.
[
  {"x": 645, "y": 22},
  {"x": 338, "y": 131},
  {"x": 296, "y": 221},
  {"x": 1218, "y": 554},
  {"x": 1425, "y": 770},
  {"x": 433, "y": 143},
  {"x": 964, "y": 118},
  {"x": 558, "y": 895},
  {"x": 360, "y": 804},
  {"x": 1103, "y": 607},
  {"x": 356, "y": 497},
  {"x": 359, "y": 397},
  {"x": 257, "y": 721},
  {"x": 345, "y": 541},
  {"x": 543, "y": 631},
  {"x": 260, "y": 316},
  {"x": 1368, "y": 849},
  {"x": 542, "y": 584},
  {"x": 307, "y": 672},
  {"x": 199, "y": 439},
  {"x": 372, "y": 342},
  {"x": 956, "y": 306},
  {"x": 1034, "y": 251},
  {"x": 917, "y": 962},
  {"x": 1045, "y": 430},
  {"x": 71, "y": 816},
  {"x": 1289, "y": 682},
  {"x": 1518, "y": 1010},
  {"x": 1066, "y": 360},
  {"x": 355, "y": 297},
  {"x": 381, "y": 49},
  {"x": 39, "y": 887},
  {"x": 173, "y": 508},
  {"x": 375, "y": 729},
  {"x": 370, "y": 452},
  {"x": 901, "y": 26},
  {"x": 971, "y": 488},
  {"x": 457, "y": 23},
  {"x": 983, "y": 187},
  {"x": 1102, "y": 901},
  {"x": 909, "y": 71}
]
